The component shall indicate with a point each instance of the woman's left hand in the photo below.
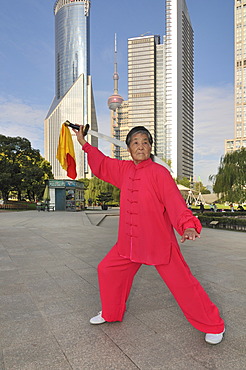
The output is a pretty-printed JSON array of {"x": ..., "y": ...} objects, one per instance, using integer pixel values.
[{"x": 189, "y": 234}]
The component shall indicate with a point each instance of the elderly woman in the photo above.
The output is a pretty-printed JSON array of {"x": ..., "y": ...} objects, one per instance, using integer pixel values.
[{"x": 150, "y": 207}]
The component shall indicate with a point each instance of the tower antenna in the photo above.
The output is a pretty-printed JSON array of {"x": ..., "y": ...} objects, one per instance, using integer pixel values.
[
  {"x": 115, "y": 100},
  {"x": 116, "y": 75}
]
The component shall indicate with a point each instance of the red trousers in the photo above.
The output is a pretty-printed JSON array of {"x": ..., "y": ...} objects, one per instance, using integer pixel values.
[{"x": 116, "y": 274}]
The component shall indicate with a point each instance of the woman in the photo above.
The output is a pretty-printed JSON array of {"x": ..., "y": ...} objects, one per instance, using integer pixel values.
[{"x": 150, "y": 207}]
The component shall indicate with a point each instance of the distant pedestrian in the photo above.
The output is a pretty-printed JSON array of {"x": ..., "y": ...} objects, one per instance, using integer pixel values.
[
  {"x": 201, "y": 207},
  {"x": 150, "y": 207}
]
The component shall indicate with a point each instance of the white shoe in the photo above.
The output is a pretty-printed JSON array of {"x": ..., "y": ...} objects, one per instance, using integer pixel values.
[
  {"x": 214, "y": 338},
  {"x": 96, "y": 320}
]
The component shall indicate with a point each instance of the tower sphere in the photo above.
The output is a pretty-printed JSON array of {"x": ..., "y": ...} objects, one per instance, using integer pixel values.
[{"x": 114, "y": 101}]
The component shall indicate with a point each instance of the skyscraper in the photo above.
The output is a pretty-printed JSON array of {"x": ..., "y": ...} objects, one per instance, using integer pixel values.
[
  {"x": 73, "y": 87},
  {"x": 239, "y": 140},
  {"x": 146, "y": 90},
  {"x": 142, "y": 83},
  {"x": 179, "y": 88}
]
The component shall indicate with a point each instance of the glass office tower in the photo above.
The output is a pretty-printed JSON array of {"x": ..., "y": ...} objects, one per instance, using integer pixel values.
[
  {"x": 72, "y": 42},
  {"x": 73, "y": 88}
]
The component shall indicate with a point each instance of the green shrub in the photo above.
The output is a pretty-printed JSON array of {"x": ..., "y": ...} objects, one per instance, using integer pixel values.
[{"x": 234, "y": 223}]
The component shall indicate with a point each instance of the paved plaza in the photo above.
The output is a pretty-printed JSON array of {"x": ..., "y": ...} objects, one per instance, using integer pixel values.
[{"x": 49, "y": 291}]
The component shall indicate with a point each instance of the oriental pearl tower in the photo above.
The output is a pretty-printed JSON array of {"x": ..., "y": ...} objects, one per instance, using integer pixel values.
[{"x": 114, "y": 102}]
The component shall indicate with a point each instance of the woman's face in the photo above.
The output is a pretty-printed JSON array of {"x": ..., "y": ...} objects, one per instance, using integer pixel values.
[{"x": 139, "y": 147}]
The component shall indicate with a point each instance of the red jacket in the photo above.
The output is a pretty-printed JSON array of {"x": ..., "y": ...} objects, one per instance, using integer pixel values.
[{"x": 150, "y": 206}]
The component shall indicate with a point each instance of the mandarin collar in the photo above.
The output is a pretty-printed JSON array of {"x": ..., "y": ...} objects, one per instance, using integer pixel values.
[{"x": 143, "y": 164}]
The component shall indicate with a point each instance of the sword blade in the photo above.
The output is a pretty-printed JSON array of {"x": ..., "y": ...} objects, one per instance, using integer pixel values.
[{"x": 111, "y": 140}]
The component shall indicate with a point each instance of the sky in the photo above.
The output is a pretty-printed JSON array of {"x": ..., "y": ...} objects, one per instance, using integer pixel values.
[{"x": 27, "y": 65}]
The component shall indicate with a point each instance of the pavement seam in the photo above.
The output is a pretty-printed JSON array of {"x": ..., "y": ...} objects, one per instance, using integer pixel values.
[
  {"x": 120, "y": 349},
  {"x": 64, "y": 354}
]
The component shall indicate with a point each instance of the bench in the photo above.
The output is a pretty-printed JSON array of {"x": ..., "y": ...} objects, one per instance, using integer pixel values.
[{"x": 214, "y": 223}]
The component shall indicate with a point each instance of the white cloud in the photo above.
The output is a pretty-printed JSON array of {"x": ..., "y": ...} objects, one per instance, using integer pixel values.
[
  {"x": 214, "y": 122},
  {"x": 18, "y": 118}
]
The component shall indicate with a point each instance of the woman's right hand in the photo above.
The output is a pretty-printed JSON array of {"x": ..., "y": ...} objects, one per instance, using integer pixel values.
[{"x": 80, "y": 135}]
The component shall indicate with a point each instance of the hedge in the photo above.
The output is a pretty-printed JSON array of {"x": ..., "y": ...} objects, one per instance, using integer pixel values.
[
  {"x": 220, "y": 213},
  {"x": 18, "y": 206},
  {"x": 223, "y": 222}
]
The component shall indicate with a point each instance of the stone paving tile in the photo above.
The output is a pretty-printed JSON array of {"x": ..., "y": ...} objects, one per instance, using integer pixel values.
[
  {"x": 1, "y": 361},
  {"x": 131, "y": 331},
  {"x": 156, "y": 353},
  {"x": 16, "y": 332},
  {"x": 49, "y": 290},
  {"x": 17, "y": 306},
  {"x": 95, "y": 350},
  {"x": 39, "y": 355},
  {"x": 7, "y": 288}
]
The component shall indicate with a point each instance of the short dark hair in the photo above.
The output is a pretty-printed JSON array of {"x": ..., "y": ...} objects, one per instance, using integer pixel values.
[{"x": 137, "y": 129}]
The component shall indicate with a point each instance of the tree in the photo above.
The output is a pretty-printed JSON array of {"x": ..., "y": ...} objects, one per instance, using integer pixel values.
[
  {"x": 9, "y": 168},
  {"x": 104, "y": 197},
  {"x": 183, "y": 181},
  {"x": 86, "y": 183},
  {"x": 96, "y": 187},
  {"x": 22, "y": 168},
  {"x": 93, "y": 190},
  {"x": 167, "y": 161},
  {"x": 36, "y": 171},
  {"x": 197, "y": 186},
  {"x": 230, "y": 180},
  {"x": 116, "y": 194},
  {"x": 200, "y": 188}
]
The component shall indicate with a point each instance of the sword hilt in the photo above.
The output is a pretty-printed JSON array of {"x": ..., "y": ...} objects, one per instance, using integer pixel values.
[{"x": 77, "y": 127}]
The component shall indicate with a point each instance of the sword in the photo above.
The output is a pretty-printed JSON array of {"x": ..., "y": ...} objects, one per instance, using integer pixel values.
[{"x": 112, "y": 140}]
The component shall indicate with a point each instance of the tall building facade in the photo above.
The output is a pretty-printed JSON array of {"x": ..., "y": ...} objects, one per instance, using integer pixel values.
[
  {"x": 179, "y": 88},
  {"x": 146, "y": 89},
  {"x": 142, "y": 83},
  {"x": 239, "y": 139},
  {"x": 160, "y": 138},
  {"x": 73, "y": 99},
  {"x": 161, "y": 88}
]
